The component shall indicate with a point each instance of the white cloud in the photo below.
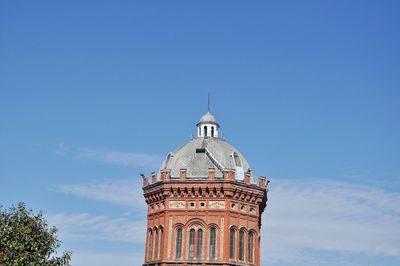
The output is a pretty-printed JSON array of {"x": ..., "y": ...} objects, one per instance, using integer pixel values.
[
  {"x": 61, "y": 146},
  {"x": 122, "y": 158},
  {"x": 304, "y": 216},
  {"x": 86, "y": 227},
  {"x": 125, "y": 192}
]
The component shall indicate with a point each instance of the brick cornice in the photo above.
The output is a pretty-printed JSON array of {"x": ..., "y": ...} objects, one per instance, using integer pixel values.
[{"x": 207, "y": 189}]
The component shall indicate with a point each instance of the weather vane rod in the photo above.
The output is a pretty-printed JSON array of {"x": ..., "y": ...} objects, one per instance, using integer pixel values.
[{"x": 208, "y": 102}]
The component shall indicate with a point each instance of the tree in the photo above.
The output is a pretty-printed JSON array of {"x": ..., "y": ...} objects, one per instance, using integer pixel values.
[{"x": 26, "y": 239}]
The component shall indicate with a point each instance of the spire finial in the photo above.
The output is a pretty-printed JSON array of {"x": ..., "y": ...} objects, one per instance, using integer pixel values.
[{"x": 208, "y": 102}]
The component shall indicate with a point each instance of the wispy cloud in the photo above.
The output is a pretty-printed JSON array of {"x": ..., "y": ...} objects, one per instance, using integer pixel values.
[
  {"x": 124, "y": 192},
  {"x": 123, "y": 158},
  {"x": 304, "y": 216},
  {"x": 86, "y": 227},
  {"x": 101, "y": 258}
]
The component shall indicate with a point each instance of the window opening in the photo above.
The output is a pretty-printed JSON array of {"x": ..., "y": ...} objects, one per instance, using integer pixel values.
[
  {"x": 178, "y": 251},
  {"x": 251, "y": 247},
  {"x": 161, "y": 242},
  {"x": 241, "y": 245},
  {"x": 232, "y": 244},
  {"x": 150, "y": 248},
  {"x": 199, "y": 243},
  {"x": 212, "y": 243},
  {"x": 155, "y": 251},
  {"x": 200, "y": 150},
  {"x": 191, "y": 243}
]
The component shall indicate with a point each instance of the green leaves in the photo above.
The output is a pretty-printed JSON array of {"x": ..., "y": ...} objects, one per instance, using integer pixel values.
[{"x": 26, "y": 239}]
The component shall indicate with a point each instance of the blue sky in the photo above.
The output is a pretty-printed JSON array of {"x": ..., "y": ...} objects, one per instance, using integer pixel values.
[{"x": 94, "y": 92}]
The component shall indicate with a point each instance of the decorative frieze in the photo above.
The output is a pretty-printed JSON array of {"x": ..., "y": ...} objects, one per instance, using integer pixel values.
[
  {"x": 216, "y": 204},
  {"x": 177, "y": 204}
]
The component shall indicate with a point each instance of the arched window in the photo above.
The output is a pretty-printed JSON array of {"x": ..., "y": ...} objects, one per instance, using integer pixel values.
[
  {"x": 161, "y": 243},
  {"x": 205, "y": 131},
  {"x": 178, "y": 241},
  {"x": 191, "y": 243},
  {"x": 241, "y": 245},
  {"x": 150, "y": 247},
  {"x": 167, "y": 160},
  {"x": 213, "y": 241},
  {"x": 250, "y": 247},
  {"x": 155, "y": 251},
  {"x": 212, "y": 131},
  {"x": 199, "y": 243},
  {"x": 232, "y": 246}
]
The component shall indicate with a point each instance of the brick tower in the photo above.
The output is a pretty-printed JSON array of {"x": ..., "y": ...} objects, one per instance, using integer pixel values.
[{"x": 204, "y": 207}]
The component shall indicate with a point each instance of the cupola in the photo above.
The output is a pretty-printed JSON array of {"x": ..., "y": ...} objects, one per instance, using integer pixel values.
[{"x": 207, "y": 127}]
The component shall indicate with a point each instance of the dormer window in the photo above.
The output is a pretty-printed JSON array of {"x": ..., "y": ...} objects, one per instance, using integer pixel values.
[
  {"x": 167, "y": 160},
  {"x": 237, "y": 160}
]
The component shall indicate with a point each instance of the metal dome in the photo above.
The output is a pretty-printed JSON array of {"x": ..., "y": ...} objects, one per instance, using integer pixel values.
[
  {"x": 208, "y": 118},
  {"x": 200, "y": 154}
]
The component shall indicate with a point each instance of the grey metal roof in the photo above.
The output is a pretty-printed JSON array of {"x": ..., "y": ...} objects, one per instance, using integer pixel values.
[
  {"x": 200, "y": 154},
  {"x": 208, "y": 118}
]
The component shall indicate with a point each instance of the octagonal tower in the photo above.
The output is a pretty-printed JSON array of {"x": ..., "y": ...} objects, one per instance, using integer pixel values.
[{"x": 204, "y": 205}]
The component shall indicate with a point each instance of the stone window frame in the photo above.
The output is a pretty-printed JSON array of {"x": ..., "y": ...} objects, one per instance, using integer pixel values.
[
  {"x": 250, "y": 250},
  {"x": 216, "y": 241},
  {"x": 178, "y": 227},
  {"x": 232, "y": 245},
  {"x": 154, "y": 253},
  {"x": 155, "y": 240},
  {"x": 242, "y": 244},
  {"x": 191, "y": 243},
  {"x": 149, "y": 244},
  {"x": 196, "y": 224},
  {"x": 200, "y": 243}
]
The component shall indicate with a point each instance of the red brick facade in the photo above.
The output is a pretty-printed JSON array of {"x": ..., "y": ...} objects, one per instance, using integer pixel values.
[{"x": 203, "y": 221}]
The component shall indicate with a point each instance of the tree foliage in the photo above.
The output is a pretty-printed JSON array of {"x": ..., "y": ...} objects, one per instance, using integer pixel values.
[{"x": 26, "y": 239}]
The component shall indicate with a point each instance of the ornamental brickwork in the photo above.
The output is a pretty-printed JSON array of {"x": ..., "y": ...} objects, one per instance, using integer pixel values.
[{"x": 205, "y": 219}]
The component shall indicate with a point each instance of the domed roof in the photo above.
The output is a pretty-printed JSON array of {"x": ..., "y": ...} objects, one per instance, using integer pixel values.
[
  {"x": 208, "y": 118},
  {"x": 200, "y": 154}
]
